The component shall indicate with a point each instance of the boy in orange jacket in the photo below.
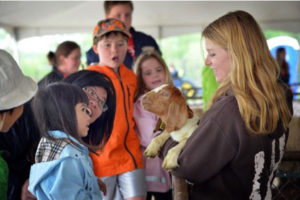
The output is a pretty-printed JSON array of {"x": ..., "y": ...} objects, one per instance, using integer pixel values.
[{"x": 120, "y": 164}]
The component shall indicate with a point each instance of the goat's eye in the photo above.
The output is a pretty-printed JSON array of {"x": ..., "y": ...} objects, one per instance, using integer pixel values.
[{"x": 164, "y": 94}]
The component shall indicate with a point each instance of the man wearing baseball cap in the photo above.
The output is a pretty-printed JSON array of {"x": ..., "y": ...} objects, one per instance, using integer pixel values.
[{"x": 15, "y": 90}]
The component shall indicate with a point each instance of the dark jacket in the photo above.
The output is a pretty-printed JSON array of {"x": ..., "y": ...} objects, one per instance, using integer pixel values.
[
  {"x": 222, "y": 160},
  {"x": 140, "y": 40},
  {"x": 52, "y": 77},
  {"x": 19, "y": 145}
]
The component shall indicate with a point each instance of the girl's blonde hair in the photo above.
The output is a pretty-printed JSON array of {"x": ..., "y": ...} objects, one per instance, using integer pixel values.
[
  {"x": 147, "y": 53},
  {"x": 253, "y": 78}
]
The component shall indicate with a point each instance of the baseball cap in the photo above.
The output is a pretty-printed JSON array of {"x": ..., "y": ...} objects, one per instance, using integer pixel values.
[
  {"x": 108, "y": 25},
  {"x": 15, "y": 88}
]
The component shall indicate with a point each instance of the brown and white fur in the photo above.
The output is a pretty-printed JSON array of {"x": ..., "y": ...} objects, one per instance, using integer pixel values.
[{"x": 168, "y": 103}]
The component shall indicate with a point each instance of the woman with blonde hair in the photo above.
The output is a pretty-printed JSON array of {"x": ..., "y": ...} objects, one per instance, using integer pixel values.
[{"x": 240, "y": 141}]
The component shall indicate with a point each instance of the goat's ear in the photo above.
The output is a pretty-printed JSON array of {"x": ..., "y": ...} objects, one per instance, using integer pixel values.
[
  {"x": 177, "y": 114},
  {"x": 190, "y": 112}
]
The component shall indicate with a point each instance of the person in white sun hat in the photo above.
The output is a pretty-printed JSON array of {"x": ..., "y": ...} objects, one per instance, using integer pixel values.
[{"x": 15, "y": 90}]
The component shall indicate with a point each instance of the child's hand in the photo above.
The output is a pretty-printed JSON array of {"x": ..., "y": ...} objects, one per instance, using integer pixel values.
[
  {"x": 25, "y": 194},
  {"x": 102, "y": 186}
]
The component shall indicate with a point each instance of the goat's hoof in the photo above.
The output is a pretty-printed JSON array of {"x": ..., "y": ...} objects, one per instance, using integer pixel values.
[
  {"x": 153, "y": 148},
  {"x": 150, "y": 152},
  {"x": 170, "y": 162}
]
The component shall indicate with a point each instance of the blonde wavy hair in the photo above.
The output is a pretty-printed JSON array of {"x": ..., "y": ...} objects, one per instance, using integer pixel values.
[
  {"x": 253, "y": 78},
  {"x": 147, "y": 53}
]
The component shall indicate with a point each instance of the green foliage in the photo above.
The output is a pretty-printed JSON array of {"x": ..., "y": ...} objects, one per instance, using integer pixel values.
[
  {"x": 34, "y": 62},
  {"x": 274, "y": 33},
  {"x": 6, "y": 41},
  {"x": 33, "y": 51},
  {"x": 34, "y": 65},
  {"x": 184, "y": 53}
]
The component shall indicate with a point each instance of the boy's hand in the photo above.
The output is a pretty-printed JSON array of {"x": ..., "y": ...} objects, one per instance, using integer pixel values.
[{"x": 102, "y": 186}]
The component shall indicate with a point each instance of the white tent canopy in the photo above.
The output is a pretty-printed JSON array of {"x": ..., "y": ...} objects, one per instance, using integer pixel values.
[{"x": 158, "y": 18}]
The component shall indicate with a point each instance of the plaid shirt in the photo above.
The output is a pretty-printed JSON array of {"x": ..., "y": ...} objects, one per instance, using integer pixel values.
[
  {"x": 69, "y": 173},
  {"x": 49, "y": 150}
]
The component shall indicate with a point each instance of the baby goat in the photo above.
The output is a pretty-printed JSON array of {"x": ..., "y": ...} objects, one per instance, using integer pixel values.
[{"x": 168, "y": 103}]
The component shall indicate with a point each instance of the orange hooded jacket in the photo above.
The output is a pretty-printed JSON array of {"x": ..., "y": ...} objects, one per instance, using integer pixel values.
[{"x": 122, "y": 151}]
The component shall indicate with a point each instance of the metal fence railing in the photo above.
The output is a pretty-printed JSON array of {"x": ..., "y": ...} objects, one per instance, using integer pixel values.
[{"x": 287, "y": 181}]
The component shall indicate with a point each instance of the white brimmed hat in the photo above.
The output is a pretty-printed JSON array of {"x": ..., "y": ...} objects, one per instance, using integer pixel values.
[{"x": 15, "y": 88}]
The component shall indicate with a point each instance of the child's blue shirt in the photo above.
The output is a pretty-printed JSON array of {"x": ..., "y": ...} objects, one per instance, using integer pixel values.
[{"x": 68, "y": 176}]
